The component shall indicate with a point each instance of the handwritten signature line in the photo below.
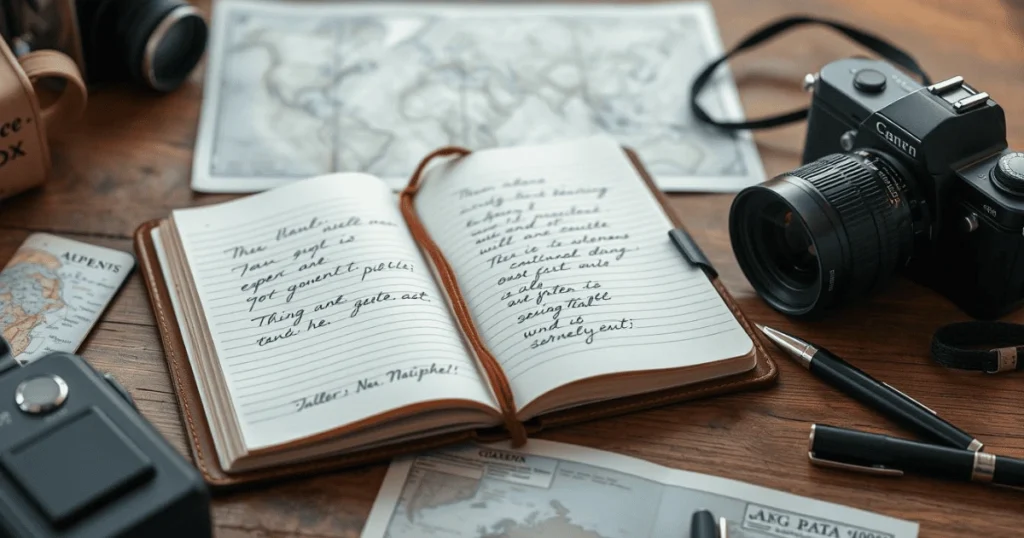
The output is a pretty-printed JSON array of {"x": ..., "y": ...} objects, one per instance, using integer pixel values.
[{"x": 343, "y": 379}]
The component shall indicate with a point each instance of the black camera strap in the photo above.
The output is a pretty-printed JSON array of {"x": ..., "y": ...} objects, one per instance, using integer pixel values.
[
  {"x": 981, "y": 346},
  {"x": 880, "y": 46}
]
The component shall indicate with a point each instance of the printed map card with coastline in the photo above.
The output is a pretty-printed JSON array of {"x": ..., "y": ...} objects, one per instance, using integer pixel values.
[
  {"x": 54, "y": 290},
  {"x": 555, "y": 490}
]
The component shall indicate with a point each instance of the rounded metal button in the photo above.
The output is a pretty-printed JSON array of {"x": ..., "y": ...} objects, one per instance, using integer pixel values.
[
  {"x": 847, "y": 140},
  {"x": 41, "y": 394},
  {"x": 869, "y": 81},
  {"x": 970, "y": 222}
]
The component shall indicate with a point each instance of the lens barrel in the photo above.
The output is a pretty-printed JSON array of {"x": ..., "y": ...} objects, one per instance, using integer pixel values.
[
  {"x": 165, "y": 41},
  {"x": 156, "y": 43},
  {"x": 829, "y": 231}
]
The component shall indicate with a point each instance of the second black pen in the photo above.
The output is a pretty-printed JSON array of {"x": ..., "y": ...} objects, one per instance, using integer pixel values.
[{"x": 882, "y": 397}]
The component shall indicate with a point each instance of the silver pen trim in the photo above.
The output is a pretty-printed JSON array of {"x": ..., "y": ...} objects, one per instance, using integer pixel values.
[
  {"x": 984, "y": 467},
  {"x": 799, "y": 350}
]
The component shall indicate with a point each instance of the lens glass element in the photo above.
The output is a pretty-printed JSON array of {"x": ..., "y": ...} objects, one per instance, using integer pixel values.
[{"x": 787, "y": 244}]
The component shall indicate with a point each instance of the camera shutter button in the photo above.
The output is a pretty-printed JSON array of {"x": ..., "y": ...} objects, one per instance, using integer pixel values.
[
  {"x": 1009, "y": 172},
  {"x": 41, "y": 394},
  {"x": 869, "y": 81}
]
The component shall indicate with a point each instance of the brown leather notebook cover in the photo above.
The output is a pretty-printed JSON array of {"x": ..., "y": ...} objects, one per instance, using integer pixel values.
[{"x": 200, "y": 439}]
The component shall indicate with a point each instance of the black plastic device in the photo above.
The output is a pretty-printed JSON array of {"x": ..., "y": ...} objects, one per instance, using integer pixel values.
[{"x": 77, "y": 460}]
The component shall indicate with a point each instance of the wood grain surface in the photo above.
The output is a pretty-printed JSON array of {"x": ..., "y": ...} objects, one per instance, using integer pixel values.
[{"x": 130, "y": 159}]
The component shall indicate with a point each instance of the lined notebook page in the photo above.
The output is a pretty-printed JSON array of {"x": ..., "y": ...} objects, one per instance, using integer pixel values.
[
  {"x": 564, "y": 258},
  {"x": 321, "y": 308}
]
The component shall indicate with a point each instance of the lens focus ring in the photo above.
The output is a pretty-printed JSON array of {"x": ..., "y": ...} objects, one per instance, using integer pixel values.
[
  {"x": 848, "y": 187},
  {"x": 892, "y": 229}
]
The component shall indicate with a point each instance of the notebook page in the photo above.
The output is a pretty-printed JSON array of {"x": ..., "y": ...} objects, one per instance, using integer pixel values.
[
  {"x": 564, "y": 258},
  {"x": 321, "y": 308}
]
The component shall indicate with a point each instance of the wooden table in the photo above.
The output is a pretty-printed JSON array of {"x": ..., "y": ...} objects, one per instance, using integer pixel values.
[{"x": 129, "y": 161}]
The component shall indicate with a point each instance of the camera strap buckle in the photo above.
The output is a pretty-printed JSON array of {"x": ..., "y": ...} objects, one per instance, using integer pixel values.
[
  {"x": 1007, "y": 360},
  {"x": 969, "y": 346}
]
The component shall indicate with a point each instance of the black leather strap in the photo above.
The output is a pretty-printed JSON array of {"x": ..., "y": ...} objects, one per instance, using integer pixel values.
[
  {"x": 880, "y": 46},
  {"x": 983, "y": 346}
]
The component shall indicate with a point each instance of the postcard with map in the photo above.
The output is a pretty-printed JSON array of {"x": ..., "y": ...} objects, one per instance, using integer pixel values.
[
  {"x": 295, "y": 90},
  {"x": 54, "y": 290},
  {"x": 555, "y": 490}
]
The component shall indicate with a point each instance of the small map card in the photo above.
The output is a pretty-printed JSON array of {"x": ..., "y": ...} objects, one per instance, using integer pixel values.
[{"x": 54, "y": 290}]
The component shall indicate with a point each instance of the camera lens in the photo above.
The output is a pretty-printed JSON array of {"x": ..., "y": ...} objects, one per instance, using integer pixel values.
[
  {"x": 174, "y": 48},
  {"x": 158, "y": 42},
  {"x": 828, "y": 231},
  {"x": 786, "y": 242}
]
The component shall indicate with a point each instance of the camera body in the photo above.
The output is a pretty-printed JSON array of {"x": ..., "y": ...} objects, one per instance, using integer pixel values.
[
  {"x": 962, "y": 189},
  {"x": 154, "y": 43},
  {"x": 77, "y": 459}
]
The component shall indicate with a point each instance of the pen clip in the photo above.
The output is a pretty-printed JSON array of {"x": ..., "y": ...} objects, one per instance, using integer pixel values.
[
  {"x": 691, "y": 251},
  {"x": 905, "y": 395},
  {"x": 875, "y": 470},
  {"x": 723, "y": 527}
]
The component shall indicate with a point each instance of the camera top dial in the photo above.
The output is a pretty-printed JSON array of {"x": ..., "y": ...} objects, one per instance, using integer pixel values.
[{"x": 1008, "y": 173}]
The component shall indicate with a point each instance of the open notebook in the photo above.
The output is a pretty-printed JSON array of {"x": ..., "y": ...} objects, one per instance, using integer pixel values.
[{"x": 509, "y": 286}]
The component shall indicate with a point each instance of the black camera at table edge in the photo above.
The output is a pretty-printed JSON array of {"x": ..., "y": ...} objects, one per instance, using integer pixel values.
[
  {"x": 151, "y": 43},
  {"x": 898, "y": 178},
  {"x": 78, "y": 460}
]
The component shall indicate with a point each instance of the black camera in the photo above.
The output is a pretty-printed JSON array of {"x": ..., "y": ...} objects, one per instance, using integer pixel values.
[
  {"x": 897, "y": 177},
  {"x": 77, "y": 459},
  {"x": 156, "y": 43}
]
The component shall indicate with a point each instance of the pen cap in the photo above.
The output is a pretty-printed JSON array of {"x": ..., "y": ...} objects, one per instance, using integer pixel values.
[
  {"x": 849, "y": 446},
  {"x": 703, "y": 525},
  {"x": 870, "y": 451}
]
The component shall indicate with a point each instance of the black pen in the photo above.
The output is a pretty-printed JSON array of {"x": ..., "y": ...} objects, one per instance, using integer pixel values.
[
  {"x": 702, "y": 525},
  {"x": 883, "y": 455},
  {"x": 881, "y": 396}
]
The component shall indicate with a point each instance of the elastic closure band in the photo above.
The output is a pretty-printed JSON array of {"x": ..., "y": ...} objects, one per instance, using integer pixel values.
[{"x": 495, "y": 374}]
